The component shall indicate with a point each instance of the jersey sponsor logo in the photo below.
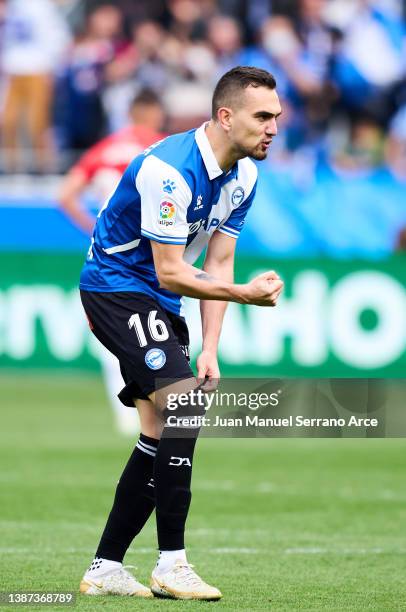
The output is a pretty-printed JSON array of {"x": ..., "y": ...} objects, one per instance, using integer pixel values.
[
  {"x": 168, "y": 186},
  {"x": 155, "y": 359},
  {"x": 205, "y": 223},
  {"x": 237, "y": 196},
  {"x": 178, "y": 461},
  {"x": 194, "y": 227},
  {"x": 167, "y": 213}
]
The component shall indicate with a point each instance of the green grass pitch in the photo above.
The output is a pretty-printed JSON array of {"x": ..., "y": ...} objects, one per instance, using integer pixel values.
[{"x": 276, "y": 524}]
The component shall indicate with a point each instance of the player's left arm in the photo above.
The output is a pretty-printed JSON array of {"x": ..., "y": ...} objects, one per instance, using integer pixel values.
[{"x": 219, "y": 262}]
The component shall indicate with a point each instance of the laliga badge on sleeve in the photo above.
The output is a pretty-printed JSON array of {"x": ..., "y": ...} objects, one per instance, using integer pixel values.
[{"x": 167, "y": 213}]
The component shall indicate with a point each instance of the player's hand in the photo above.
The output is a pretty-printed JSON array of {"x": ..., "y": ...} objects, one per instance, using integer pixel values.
[
  {"x": 208, "y": 370},
  {"x": 264, "y": 289}
]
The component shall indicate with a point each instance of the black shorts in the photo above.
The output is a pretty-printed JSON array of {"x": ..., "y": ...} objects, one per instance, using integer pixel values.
[{"x": 151, "y": 344}]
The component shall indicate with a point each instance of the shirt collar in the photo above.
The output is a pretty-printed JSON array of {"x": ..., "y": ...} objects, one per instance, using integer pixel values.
[{"x": 209, "y": 159}]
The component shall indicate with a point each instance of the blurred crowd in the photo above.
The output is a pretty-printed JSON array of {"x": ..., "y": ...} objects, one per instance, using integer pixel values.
[{"x": 70, "y": 68}]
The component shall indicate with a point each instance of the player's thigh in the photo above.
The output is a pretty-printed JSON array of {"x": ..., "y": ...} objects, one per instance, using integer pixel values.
[{"x": 173, "y": 391}]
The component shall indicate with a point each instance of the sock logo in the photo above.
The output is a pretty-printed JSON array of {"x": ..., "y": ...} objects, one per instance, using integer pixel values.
[{"x": 177, "y": 461}]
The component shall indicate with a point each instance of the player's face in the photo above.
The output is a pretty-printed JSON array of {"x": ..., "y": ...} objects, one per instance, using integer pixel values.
[{"x": 253, "y": 124}]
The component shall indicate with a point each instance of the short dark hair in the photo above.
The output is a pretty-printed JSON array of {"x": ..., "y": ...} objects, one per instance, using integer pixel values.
[
  {"x": 146, "y": 97},
  {"x": 233, "y": 82}
]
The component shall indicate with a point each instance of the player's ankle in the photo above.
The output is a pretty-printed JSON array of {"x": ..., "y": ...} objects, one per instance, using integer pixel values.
[
  {"x": 101, "y": 566},
  {"x": 168, "y": 558}
]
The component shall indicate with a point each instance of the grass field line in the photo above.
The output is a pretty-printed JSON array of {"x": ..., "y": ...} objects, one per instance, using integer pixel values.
[
  {"x": 228, "y": 550},
  {"x": 199, "y": 531},
  {"x": 345, "y": 551},
  {"x": 230, "y": 486},
  {"x": 13, "y": 550}
]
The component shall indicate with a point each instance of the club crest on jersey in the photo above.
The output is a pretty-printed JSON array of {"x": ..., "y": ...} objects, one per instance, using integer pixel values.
[
  {"x": 155, "y": 359},
  {"x": 167, "y": 213},
  {"x": 168, "y": 186},
  {"x": 237, "y": 196}
]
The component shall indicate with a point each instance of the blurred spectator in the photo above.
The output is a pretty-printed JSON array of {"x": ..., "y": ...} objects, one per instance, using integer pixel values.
[
  {"x": 35, "y": 37},
  {"x": 366, "y": 82},
  {"x": 187, "y": 18},
  {"x": 74, "y": 12},
  {"x": 83, "y": 120},
  {"x": 144, "y": 10},
  {"x": 364, "y": 151},
  {"x": 302, "y": 45},
  {"x": 354, "y": 206},
  {"x": 2, "y": 17},
  {"x": 138, "y": 65},
  {"x": 249, "y": 14},
  {"x": 396, "y": 158},
  {"x": 225, "y": 38},
  {"x": 103, "y": 165},
  {"x": 180, "y": 71},
  {"x": 2, "y": 83},
  {"x": 396, "y": 145}
]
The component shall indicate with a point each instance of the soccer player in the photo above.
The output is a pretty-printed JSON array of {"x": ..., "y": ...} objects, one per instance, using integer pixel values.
[
  {"x": 188, "y": 192},
  {"x": 101, "y": 168}
]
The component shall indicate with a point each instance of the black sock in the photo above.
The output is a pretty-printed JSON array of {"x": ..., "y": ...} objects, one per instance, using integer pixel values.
[
  {"x": 172, "y": 475},
  {"x": 133, "y": 503}
]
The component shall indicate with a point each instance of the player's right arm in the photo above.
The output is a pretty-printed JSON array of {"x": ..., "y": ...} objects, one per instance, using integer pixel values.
[
  {"x": 180, "y": 277},
  {"x": 165, "y": 198}
]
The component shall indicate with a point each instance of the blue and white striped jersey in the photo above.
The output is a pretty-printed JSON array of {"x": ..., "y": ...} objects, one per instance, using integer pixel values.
[{"x": 175, "y": 193}]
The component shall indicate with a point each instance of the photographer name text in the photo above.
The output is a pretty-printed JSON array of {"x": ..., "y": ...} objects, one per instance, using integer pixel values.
[{"x": 257, "y": 421}]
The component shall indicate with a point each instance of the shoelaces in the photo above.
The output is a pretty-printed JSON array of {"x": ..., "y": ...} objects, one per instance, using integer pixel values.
[{"x": 186, "y": 574}]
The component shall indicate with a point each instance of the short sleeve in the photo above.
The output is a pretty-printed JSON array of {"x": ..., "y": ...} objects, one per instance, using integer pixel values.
[
  {"x": 235, "y": 222},
  {"x": 165, "y": 197}
]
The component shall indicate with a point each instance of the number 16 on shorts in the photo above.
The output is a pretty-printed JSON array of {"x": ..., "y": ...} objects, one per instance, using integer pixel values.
[{"x": 156, "y": 327}]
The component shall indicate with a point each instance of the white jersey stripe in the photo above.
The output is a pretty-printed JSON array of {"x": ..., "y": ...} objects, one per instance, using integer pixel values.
[
  {"x": 230, "y": 229},
  {"x": 165, "y": 239},
  {"x": 227, "y": 233},
  {"x": 122, "y": 247}
]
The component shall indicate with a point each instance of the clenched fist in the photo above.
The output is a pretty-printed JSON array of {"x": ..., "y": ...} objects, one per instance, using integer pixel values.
[{"x": 263, "y": 290}]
